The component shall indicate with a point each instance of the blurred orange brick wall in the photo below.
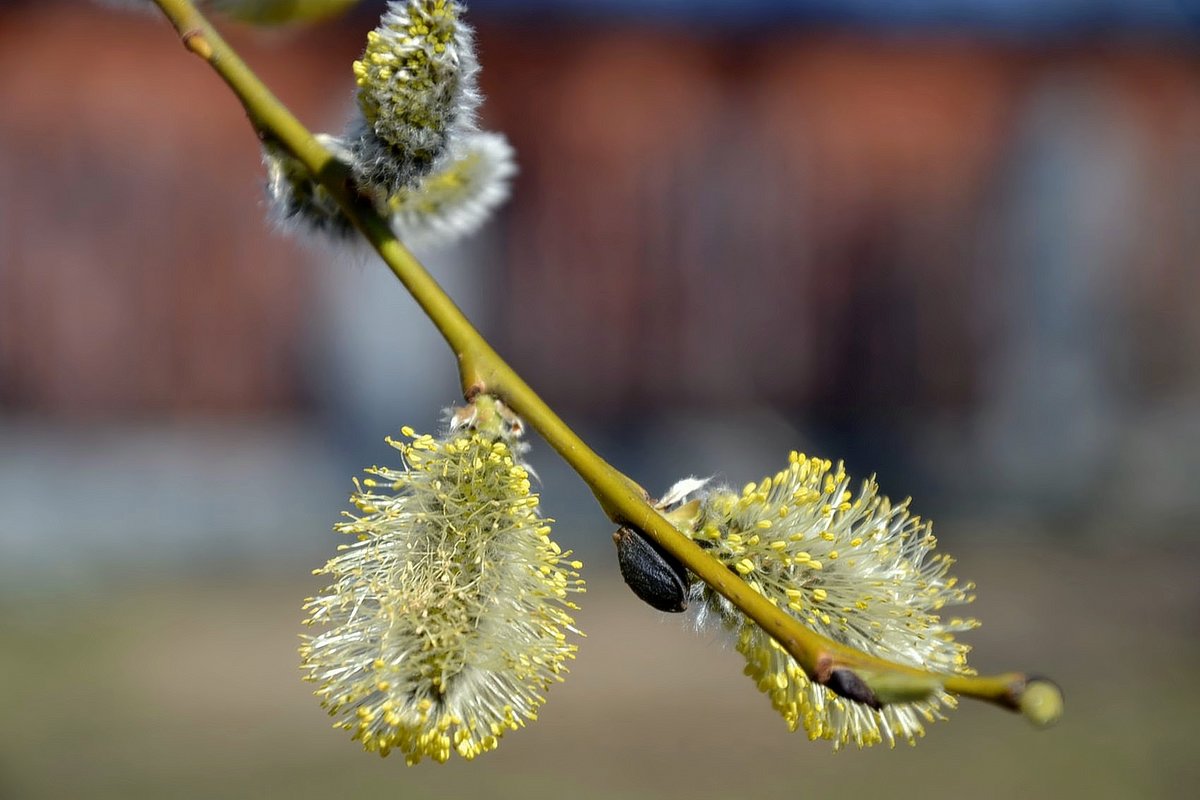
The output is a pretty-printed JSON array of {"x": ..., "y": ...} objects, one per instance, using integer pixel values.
[{"x": 800, "y": 217}]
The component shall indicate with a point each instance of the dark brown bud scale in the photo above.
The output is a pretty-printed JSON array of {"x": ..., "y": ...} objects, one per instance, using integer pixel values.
[
  {"x": 652, "y": 573},
  {"x": 849, "y": 685}
]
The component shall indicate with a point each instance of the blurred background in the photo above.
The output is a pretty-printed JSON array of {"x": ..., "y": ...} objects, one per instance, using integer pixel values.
[{"x": 952, "y": 242}]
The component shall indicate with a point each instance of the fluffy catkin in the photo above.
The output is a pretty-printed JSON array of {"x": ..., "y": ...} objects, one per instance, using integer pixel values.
[{"x": 446, "y": 620}]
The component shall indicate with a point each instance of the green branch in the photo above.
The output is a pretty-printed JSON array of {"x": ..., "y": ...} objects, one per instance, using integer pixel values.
[{"x": 483, "y": 370}]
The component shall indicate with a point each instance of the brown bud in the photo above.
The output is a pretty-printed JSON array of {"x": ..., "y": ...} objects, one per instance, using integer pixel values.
[
  {"x": 848, "y": 684},
  {"x": 652, "y": 573}
]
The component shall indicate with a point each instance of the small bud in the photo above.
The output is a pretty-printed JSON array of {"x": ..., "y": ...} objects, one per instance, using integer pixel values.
[
  {"x": 894, "y": 687},
  {"x": 1041, "y": 702}
]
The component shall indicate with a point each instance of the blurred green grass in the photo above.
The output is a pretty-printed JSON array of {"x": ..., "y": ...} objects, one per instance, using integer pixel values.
[{"x": 188, "y": 687}]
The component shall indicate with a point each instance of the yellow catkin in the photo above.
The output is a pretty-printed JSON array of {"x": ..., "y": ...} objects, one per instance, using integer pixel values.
[
  {"x": 883, "y": 601},
  {"x": 446, "y": 621}
]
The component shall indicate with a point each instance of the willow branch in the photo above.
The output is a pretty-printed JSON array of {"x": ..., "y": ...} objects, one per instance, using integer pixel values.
[{"x": 482, "y": 369}]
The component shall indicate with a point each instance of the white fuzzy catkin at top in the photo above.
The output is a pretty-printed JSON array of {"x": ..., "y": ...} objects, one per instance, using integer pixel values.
[
  {"x": 413, "y": 147},
  {"x": 852, "y": 567},
  {"x": 416, "y": 91}
]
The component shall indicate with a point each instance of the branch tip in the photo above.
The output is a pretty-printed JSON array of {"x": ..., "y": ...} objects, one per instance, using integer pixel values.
[{"x": 1040, "y": 701}]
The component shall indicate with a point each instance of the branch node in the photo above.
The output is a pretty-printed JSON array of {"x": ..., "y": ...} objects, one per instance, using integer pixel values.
[
  {"x": 822, "y": 668},
  {"x": 195, "y": 42}
]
